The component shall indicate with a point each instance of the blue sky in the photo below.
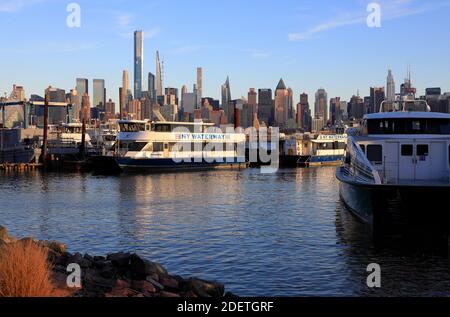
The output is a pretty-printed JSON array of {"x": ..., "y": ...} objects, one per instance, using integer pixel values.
[{"x": 310, "y": 44}]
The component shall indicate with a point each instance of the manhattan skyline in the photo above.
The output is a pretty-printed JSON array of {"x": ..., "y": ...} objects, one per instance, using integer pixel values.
[{"x": 310, "y": 45}]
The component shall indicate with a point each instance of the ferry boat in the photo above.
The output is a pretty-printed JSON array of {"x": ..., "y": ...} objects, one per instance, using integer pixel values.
[
  {"x": 177, "y": 146},
  {"x": 305, "y": 150},
  {"x": 396, "y": 172}
]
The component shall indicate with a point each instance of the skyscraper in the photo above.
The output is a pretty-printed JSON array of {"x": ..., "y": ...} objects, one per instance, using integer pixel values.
[
  {"x": 226, "y": 93},
  {"x": 281, "y": 104},
  {"x": 124, "y": 94},
  {"x": 151, "y": 86},
  {"x": 376, "y": 98},
  {"x": 265, "y": 106},
  {"x": 138, "y": 63},
  {"x": 321, "y": 106},
  {"x": 304, "y": 113},
  {"x": 99, "y": 94},
  {"x": 199, "y": 87},
  {"x": 159, "y": 84},
  {"x": 390, "y": 87}
]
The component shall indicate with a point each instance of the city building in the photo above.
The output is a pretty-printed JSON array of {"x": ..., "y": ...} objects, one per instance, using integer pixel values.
[
  {"x": 356, "y": 108},
  {"x": 377, "y": 96},
  {"x": 266, "y": 109},
  {"x": 226, "y": 93},
  {"x": 138, "y": 63},
  {"x": 159, "y": 82},
  {"x": 99, "y": 94},
  {"x": 110, "y": 110},
  {"x": 57, "y": 115},
  {"x": 123, "y": 95},
  {"x": 199, "y": 87},
  {"x": 134, "y": 110},
  {"x": 304, "y": 114},
  {"x": 151, "y": 86},
  {"x": 390, "y": 88},
  {"x": 321, "y": 106},
  {"x": 281, "y": 104}
]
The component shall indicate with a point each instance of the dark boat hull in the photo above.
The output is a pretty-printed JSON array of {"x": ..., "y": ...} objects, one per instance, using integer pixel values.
[
  {"x": 398, "y": 208},
  {"x": 169, "y": 165}
]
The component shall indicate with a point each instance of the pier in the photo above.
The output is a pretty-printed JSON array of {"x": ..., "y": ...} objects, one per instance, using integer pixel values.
[{"x": 19, "y": 167}]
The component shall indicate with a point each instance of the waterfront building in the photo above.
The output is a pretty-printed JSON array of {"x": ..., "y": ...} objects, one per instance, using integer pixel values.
[
  {"x": 147, "y": 106},
  {"x": 99, "y": 94},
  {"x": 159, "y": 83},
  {"x": 265, "y": 107},
  {"x": 317, "y": 125},
  {"x": 17, "y": 94},
  {"x": 72, "y": 98},
  {"x": 377, "y": 96},
  {"x": 281, "y": 104},
  {"x": 335, "y": 104},
  {"x": 171, "y": 96},
  {"x": 138, "y": 63},
  {"x": 321, "y": 106},
  {"x": 169, "y": 112},
  {"x": 82, "y": 87},
  {"x": 85, "y": 108}
]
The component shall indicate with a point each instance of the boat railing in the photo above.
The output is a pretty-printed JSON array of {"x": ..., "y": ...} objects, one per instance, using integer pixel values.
[{"x": 358, "y": 166}]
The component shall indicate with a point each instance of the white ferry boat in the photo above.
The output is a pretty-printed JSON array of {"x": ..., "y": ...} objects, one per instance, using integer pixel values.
[
  {"x": 397, "y": 169},
  {"x": 173, "y": 146},
  {"x": 327, "y": 149}
]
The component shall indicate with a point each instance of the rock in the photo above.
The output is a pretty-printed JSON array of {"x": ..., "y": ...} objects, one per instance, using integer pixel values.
[
  {"x": 94, "y": 283},
  {"x": 142, "y": 268},
  {"x": 88, "y": 257},
  {"x": 230, "y": 295},
  {"x": 169, "y": 283},
  {"x": 80, "y": 260},
  {"x": 123, "y": 292},
  {"x": 119, "y": 259},
  {"x": 122, "y": 284},
  {"x": 99, "y": 258},
  {"x": 108, "y": 270},
  {"x": 168, "y": 294},
  {"x": 205, "y": 288},
  {"x": 143, "y": 286},
  {"x": 155, "y": 283}
]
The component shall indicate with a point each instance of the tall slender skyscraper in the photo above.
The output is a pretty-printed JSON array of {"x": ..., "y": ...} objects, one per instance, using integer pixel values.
[
  {"x": 281, "y": 104},
  {"x": 151, "y": 86},
  {"x": 199, "y": 87},
  {"x": 226, "y": 93},
  {"x": 390, "y": 87},
  {"x": 125, "y": 88},
  {"x": 159, "y": 84},
  {"x": 138, "y": 63}
]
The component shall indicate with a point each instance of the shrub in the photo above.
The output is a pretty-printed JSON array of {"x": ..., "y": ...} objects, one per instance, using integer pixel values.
[{"x": 24, "y": 270}]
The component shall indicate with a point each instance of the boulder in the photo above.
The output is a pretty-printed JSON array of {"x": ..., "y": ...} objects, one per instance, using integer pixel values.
[
  {"x": 168, "y": 294},
  {"x": 143, "y": 287},
  {"x": 204, "y": 288},
  {"x": 155, "y": 283},
  {"x": 142, "y": 268},
  {"x": 169, "y": 283},
  {"x": 119, "y": 259}
]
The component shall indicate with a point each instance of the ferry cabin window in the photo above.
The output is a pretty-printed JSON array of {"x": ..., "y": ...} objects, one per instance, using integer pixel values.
[
  {"x": 163, "y": 128},
  {"x": 158, "y": 146},
  {"x": 132, "y": 127},
  {"x": 407, "y": 150},
  {"x": 422, "y": 150},
  {"x": 375, "y": 153},
  {"x": 409, "y": 126},
  {"x": 137, "y": 146}
]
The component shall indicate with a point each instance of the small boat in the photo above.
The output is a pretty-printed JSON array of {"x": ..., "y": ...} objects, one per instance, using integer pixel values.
[
  {"x": 396, "y": 172},
  {"x": 177, "y": 146}
]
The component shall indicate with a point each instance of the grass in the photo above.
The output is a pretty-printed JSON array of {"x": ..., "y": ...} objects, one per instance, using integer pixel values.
[{"x": 24, "y": 270}]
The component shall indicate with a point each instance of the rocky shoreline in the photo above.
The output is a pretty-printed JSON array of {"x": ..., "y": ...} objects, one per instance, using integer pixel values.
[{"x": 117, "y": 275}]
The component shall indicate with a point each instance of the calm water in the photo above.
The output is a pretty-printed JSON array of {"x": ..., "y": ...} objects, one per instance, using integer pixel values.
[{"x": 260, "y": 234}]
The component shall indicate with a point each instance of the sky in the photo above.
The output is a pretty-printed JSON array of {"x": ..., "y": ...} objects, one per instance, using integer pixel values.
[{"x": 311, "y": 44}]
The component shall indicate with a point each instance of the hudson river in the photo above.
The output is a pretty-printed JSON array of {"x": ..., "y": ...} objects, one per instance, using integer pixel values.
[{"x": 283, "y": 234}]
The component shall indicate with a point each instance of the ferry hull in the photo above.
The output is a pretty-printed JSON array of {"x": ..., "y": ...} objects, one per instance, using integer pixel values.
[
  {"x": 325, "y": 160},
  {"x": 397, "y": 209},
  {"x": 169, "y": 165}
]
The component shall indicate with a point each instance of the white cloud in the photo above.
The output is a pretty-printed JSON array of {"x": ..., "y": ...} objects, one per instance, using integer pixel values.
[
  {"x": 390, "y": 10},
  {"x": 16, "y": 5}
]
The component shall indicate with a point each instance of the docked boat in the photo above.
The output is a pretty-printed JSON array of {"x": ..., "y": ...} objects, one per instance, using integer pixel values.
[
  {"x": 396, "y": 172},
  {"x": 305, "y": 150},
  {"x": 177, "y": 146}
]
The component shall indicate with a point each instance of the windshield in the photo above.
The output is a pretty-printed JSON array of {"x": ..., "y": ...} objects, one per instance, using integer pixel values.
[{"x": 132, "y": 127}]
